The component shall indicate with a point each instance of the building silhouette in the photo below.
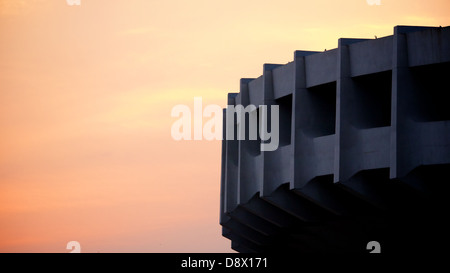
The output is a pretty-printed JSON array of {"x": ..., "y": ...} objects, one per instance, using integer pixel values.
[{"x": 364, "y": 151}]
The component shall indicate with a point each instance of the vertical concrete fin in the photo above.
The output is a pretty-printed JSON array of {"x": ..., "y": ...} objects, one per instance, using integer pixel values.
[
  {"x": 222, "y": 216},
  {"x": 345, "y": 146},
  {"x": 231, "y": 165}
]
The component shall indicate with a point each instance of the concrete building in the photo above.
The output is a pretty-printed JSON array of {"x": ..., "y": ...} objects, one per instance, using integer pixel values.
[{"x": 364, "y": 151}]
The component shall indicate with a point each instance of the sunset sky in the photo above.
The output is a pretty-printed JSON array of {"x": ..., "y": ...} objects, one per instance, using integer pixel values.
[{"x": 86, "y": 94}]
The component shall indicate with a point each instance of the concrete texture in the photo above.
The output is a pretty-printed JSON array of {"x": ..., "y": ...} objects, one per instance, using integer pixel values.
[{"x": 364, "y": 149}]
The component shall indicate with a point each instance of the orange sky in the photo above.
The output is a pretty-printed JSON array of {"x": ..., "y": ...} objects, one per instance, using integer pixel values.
[{"x": 85, "y": 99}]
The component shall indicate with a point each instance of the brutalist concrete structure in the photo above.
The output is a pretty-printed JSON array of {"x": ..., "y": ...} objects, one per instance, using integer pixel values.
[{"x": 364, "y": 150}]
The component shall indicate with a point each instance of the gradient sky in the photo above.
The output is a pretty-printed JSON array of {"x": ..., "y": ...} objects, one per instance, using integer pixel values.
[{"x": 85, "y": 99}]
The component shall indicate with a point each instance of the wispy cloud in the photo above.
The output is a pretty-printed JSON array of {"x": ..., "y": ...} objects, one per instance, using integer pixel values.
[{"x": 15, "y": 7}]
